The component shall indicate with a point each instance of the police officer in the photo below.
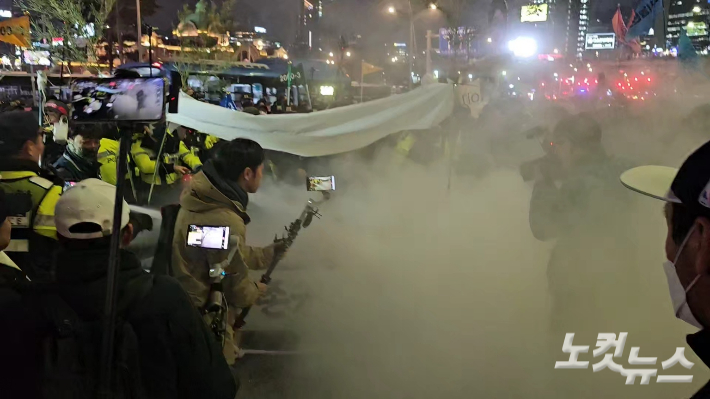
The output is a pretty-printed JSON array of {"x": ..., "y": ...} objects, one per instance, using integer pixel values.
[
  {"x": 199, "y": 144},
  {"x": 31, "y": 193},
  {"x": 176, "y": 160}
]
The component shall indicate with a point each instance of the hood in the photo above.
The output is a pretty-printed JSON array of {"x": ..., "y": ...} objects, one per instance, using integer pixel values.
[
  {"x": 81, "y": 278},
  {"x": 87, "y": 266},
  {"x": 202, "y": 196}
]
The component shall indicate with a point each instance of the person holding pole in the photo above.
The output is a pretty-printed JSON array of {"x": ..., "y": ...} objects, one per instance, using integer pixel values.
[{"x": 218, "y": 196}]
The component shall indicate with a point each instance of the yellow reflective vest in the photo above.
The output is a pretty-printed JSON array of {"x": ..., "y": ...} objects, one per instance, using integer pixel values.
[
  {"x": 146, "y": 161},
  {"x": 31, "y": 198},
  {"x": 108, "y": 152}
]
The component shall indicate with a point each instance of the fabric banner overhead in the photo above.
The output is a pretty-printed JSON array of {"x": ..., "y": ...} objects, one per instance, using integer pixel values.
[{"x": 324, "y": 132}]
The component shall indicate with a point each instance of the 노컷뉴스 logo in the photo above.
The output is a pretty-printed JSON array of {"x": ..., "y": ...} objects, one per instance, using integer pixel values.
[{"x": 606, "y": 341}]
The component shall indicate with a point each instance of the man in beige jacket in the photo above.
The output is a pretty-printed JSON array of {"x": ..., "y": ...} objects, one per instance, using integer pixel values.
[{"x": 218, "y": 196}]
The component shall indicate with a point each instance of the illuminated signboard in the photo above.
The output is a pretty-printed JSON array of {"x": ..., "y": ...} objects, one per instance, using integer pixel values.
[
  {"x": 533, "y": 13},
  {"x": 400, "y": 44},
  {"x": 37, "y": 57},
  {"x": 697, "y": 29},
  {"x": 259, "y": 29},
  {"x": 600, "y": 41}
]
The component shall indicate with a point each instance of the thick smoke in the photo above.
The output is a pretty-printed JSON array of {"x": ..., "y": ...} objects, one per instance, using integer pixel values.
[{"x": 419, "y": 288}]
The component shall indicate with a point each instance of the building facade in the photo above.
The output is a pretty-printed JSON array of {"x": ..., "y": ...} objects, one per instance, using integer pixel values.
[
  {"x": 691, "y": 15},
  {"x": 559, "y": 26}
]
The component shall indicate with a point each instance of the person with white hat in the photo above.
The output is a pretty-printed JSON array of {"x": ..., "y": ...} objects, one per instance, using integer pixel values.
[
  {"x": 686, "y": 192},
  {"x": 178, "y": 356}
]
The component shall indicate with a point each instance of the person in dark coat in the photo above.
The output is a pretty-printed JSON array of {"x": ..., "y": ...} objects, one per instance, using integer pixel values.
[
  {"x": 179, "y": 357},
  {"x": 79, "y": 160}
]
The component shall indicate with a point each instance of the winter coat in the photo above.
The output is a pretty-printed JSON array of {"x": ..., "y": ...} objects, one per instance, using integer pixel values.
[{"x": 179, "y": 356}]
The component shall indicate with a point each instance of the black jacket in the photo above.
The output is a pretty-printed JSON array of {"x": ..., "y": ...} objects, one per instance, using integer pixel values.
[
  {"x": 179, "y": 355},
  {"x": 700, "y": 344},
  {"x": 73, "y": 168},
  {"x": 21, "y": 356}
]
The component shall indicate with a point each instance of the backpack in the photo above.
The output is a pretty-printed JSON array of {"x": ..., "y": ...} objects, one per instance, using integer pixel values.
[
  {"x": 71, "y": 348},
  {"x": 162, "y": 261}
]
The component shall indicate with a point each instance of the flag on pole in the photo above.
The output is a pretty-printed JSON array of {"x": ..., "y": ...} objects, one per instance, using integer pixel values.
[
  {"x": 369, "y": 68},
  {"x": 619, "y": 26},
  {"x": 644, "y": 17},
  {"x": 631, "y": 19},
  {"x": 16, "y": 31},
  {"x": 634, "y": 45}
]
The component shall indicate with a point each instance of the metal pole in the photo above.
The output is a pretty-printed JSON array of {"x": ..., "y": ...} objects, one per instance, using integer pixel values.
[
  {"x": 108, "y": 40},
  {"x": 362, "y": 79},
  {"x": 119, "y": 38},
  {"x": 150, "y": 50},
  {"x": 429, "y": 71},
  {"x": 410, "y": 53},
  {"x": 139, "y": 42},
  {"x": 109, "y": 316}
]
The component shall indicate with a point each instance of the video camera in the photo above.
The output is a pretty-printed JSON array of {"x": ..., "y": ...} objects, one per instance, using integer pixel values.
[{"x": 546, "y": 166}]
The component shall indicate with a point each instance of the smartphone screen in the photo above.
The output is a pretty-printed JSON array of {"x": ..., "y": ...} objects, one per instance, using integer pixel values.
[
  {"x": 209, "y": 237},
  {"x": 114, "y": 99},
  {"x": 321, "y": 183}
]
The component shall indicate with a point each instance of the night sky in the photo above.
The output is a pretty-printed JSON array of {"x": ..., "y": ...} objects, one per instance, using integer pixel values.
[{"x": 280, "y": 17}]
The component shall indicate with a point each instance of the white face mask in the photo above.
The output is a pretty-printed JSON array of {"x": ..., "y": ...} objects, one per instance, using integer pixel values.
[{"x": 678, "y": 293}]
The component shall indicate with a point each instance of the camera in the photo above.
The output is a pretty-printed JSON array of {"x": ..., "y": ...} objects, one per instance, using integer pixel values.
[{"x": 547, "y": 167}]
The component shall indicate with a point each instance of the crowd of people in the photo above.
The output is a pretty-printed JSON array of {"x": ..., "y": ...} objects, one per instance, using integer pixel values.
[
  {"x": 177, "y": 328},
  {"x": 56, "y": 247}
]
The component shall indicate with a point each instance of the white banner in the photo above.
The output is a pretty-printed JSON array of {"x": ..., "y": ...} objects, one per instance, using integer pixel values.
[
  {"x": 471, "y": 96},
  {"x": 324, "y": 132}
]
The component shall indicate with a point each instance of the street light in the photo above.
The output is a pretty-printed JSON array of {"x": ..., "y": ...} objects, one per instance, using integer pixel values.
[
  {"x": 696, "y": 9},
  {"x": 391, "y": 10},
  {"x": 523, "y": 47},
  {"x": 432, "y": 6},
  {"x": 347, "y": 54},
  {"x": 490, "y": 40},
  {"x": 330, "y": 54}
]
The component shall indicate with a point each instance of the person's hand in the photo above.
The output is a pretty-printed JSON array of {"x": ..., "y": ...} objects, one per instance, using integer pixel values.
[
  {"x": 279, "y": 249},
  {"x": 181, "y": 170},
  {"x": 262, "y": 288}
]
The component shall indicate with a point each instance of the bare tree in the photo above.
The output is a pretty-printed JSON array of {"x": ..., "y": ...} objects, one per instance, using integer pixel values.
[
  {"x": 80, "y": 23},
  {"x": 198, "y": 46}
]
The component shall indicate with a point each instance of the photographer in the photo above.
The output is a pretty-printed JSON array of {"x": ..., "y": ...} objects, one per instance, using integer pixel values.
[
  {"x": 582, "y": 207},
  {"x": 31, "y": 193},
  {"x": 218, "y": 196}
]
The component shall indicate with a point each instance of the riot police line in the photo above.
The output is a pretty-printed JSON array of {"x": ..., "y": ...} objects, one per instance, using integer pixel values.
[{"x": 96, "y": 331}]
